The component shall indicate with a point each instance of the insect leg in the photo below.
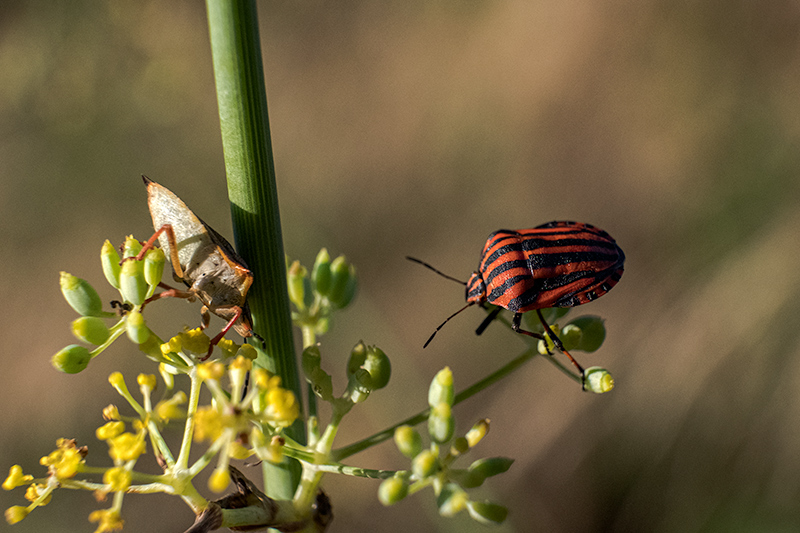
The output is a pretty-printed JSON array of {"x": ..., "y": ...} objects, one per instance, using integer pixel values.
[
  {"x": 516, "y": 323},
  {"x": 488, "y": 320},
  {"x": 173, "y": 249},
  {"x": 237, "y": 313}
]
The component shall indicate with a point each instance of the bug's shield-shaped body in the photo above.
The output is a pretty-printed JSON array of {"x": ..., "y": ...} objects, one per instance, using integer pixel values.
[
  {"x": 208, "y": 264},
  {"x": 558, "y": 264}
]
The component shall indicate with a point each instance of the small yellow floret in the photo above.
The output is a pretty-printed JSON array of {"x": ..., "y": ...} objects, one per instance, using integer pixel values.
[
  {"x": 118, "y": 479},
  {"x": 264, "y": 380},
  {"x": 237, "y": 451},
  {"x": 219, "y": 480},
  {"x": 241, "y": 363},
  {"x": 245, "y": 350},
  {"x": 147, "y": 381},
  {"x": 212, "y": 370},
  {"x": 227, "y": 347},
  {"x": 195, "y": 341},
  {"x": 169, "y": 410},
  {"x": 282, "y": 408},
  {"x": 16, "y": 514},
  {"x": 110, "y": 430},
  {"x": 126, "y": 447},
  {"x": 111, "y": 412},
  {"x": 16, "y": 478},
  {"x": 35, "y": 491},
  {"x": 208, "y": 424},
  {"x": 107, "y": 519}
]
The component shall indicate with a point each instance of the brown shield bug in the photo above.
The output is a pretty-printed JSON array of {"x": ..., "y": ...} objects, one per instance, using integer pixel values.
[{"x": 203, "y": 260}]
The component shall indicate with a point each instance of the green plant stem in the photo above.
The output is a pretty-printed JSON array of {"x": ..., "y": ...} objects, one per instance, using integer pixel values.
[
  {"x": 188, "y": 429},
  {"x": 241, "y": 95},
  {"x": 347, "y": 451}
]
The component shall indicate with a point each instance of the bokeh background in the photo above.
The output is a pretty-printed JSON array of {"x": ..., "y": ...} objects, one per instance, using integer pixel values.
[{"x": 417, "y": 128}]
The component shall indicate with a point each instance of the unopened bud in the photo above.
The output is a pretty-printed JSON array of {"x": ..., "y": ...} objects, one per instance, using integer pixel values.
[
  {"x": 478, "y": 431},
  {"x": 441, "y": 389},
  {"x": 109, "y": 258},
  {"x": 136, "y": 328},
  {"x": 408, "y": 441},
  {"x": 321, "y": 273},
  {"x": 452, "y": 500},
  {"x": 72, "y": 359},
  {"x": 441, "y": 423},
  {"x": 154, "y": 261},
  {"x": 80, "y": 295},
  {"x": 132, "y": 247},
  {"x": 392, "y": 490},
  {"x": 343, "y": 282},
  {"x": 376, "y": 364},
  {"x": 487, "y": 513},
  {"x": 132, "y": 284},
  {"x": 90, "y": 329},
  {"x": 425, "y": 464},
  {"x": 593, "y": 332},
  {"x": 296, "y": 279},
  {"x": 597, "y": 380}
]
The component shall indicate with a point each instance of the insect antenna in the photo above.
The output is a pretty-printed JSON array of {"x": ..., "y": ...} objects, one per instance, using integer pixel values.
[
  {"x": 442, "y": 324},
  {"x": 451, "y": 278}
]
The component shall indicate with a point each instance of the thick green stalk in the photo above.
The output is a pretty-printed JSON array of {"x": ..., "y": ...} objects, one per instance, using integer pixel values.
[{"x": 241, "y": 95}]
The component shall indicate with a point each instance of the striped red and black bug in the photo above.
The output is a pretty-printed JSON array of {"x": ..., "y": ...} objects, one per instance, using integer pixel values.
[{"x": 558, "y": 264}]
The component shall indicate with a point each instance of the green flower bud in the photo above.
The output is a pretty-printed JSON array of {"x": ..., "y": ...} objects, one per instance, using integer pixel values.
[
  {"x": 441, "y": 423},
  {"x": 132, "y": 285},
  {"x": 597, "y": 380},
  {"x": 488, "y": 467},
  {"x": 425, "y": 464},
  {"x": 90, "y": 329},
  {"x": 570, "y": 337},
  {"x": 452, "y": 500},
  {"x": 593, "y": 332},
  {"x": 136, "y": 328},
  {"x": 154, "y": 261},
  {"x": 374, "y": 361},
  {"x": 132, "y": 247},
  {"x": 295, "y": 279},
  {"x": 343, "y": 282},
  {"x": 80, "y": 295},
  {"x": 408, "y": 441},
  {"x": 546, "y": 346},
  {"x": 110, "y": 261},
  {"x": 487, "y": 513},
  {"x": 392, "y": 490},
  {"x": 441, "y": 389},
  {"x": 72, "y": 359},
  {"x": 321, "y": 273}
]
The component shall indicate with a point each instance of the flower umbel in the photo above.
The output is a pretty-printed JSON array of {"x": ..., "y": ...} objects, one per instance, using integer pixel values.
[{"x": 66, "y": 461}]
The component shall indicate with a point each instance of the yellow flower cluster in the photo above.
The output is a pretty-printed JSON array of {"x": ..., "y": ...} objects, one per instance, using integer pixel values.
[{"x": 66, "y": 461}]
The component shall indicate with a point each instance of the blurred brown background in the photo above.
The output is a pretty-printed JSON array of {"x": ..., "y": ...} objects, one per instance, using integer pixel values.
[{"x": 418, "y": 128}]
